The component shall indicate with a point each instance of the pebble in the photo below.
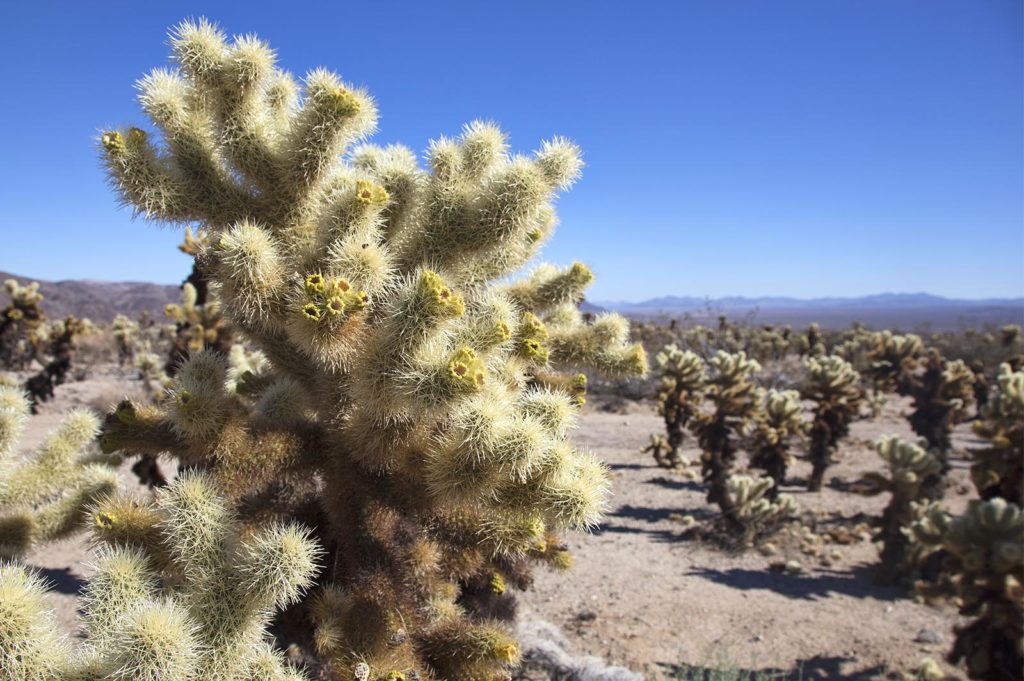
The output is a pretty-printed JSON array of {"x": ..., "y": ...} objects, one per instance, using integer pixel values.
[{"x": 927, "y": 636}]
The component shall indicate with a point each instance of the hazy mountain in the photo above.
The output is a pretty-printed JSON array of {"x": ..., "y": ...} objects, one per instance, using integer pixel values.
[
  {"x": 890, "y": 310},
  {"x": 99, "y": 300}
]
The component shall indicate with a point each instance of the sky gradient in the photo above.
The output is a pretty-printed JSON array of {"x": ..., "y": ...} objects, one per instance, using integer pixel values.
[{"x": 816, "y": 148}]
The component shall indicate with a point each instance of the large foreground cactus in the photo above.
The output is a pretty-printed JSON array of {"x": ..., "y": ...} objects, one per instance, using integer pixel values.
[{"x": 416, "y": 408}]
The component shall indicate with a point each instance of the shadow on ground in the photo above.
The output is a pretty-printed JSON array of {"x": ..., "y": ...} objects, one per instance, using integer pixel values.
[
  {"x": 817, "y": 668},
  {"x": 858, "y": 582},
  {"x": 62, "y": 580}
]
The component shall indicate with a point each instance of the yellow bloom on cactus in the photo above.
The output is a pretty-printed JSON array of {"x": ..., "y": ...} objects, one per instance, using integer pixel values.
[
  {"x": 344, "y": 102},
  {"x": 359, "y": 300},
  {"x": 396, "y": 676},
  {"x": 15, "y": 314},
  {"x": 340, "y": 287},
  {"x": 506, "y": 652},
  {"x": 533, "y": 327},
  {"x": 504, "y": 333},
  {"x": 315, "y": 283},
  {"x": 467, "y": 370},
  {"x": 311, "y": 311},
  {"x": 113, "y": 142},
  {"x": 105, "y": 520},
  {"x": 370, "y": 194},
  {"x": 441, "y": 298},
  {"x": 335, "y": 306},
  {"x": 497, "y": 583}
]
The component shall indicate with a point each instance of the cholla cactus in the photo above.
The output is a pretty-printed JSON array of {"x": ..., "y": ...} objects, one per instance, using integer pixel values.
[
  {"x": 198, "y": 325},
  {"x": 18, "y": 320},
  {"x": 943, "y": 395},
  {"x": 682, "y": 379},
  {"x": 43, "y": 497},
  {"x": 179, "y": 592},
  {"x": 834, "y": 386},
  {"x": 126, "y": 337},
  {"x": 892, "y": 360},
  {"x": 998, "y": 470},
  {"x": 985, "y": 553},
  {"x": 414, "y": 411},
  {"x": 909, "y": 466},
  {"x": 755, "y": 510},
  {"x": 733, "y": 397},
  {"x": 776, "y": 424},
  {"x": 62, "y": 338}
]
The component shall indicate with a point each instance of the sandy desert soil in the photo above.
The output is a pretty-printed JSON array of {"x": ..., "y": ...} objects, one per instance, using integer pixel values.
[{"x": 645, "y": 595}]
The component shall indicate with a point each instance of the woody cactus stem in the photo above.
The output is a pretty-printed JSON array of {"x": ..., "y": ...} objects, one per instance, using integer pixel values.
[
  {"x": 834, "y": 386},
  {"x": 679, "y": 396},
  {"x": 734, "y": 400},
  {"x": 415, "y": 407}
]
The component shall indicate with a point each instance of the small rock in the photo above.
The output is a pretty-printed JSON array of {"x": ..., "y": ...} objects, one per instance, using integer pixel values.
[
  {"x": 758, "y": 638},
  {"x": 793, "y": 567},
  {"x": 927, "y": 636},
  {"x": 586, "y": 616},
  {"x": 767, "y": 549}
]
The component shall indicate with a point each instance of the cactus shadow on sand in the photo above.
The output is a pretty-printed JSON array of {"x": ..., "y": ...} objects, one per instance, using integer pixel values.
[
  {"x": 858, "y": 582},
  {"x": 814, "y": 668},
  {"x": 62, "y": 580}
]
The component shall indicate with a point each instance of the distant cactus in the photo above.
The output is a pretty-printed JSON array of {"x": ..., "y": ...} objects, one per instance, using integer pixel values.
[
  {"x": 126, "y": 337},
  {"x": 416, "y": 406},
  {"x": 18, "y": 320},
  {"x": 733, "y": 398},
  {"x": 60, "y": 346},
  {"x": 909, "y": 466},
  {"x": 891, "y": 360},
  {"x": 777, "y": 423},
  {"x": 679, "y": 396},
  {"x": 43, "y": 497},
  {"x": 199, "y": 325},
  {"x": 754, "y": 508},
  {"x": 998, "y": 470},
  {"x": 985, "y": 553},
  {"x": 942, "y": 392},
  {"x": 180, "y": 592},
  {"x": 834, "y": 387}
]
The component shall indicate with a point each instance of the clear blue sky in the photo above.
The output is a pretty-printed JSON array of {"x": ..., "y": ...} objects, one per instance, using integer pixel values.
[{"x": 777, "y": 147}]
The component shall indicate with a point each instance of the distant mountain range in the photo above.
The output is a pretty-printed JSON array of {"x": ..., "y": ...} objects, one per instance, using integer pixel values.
[
  {"x": 671, "y": 304},
  {"x": 905, "y": 311},
  {"x": 101, "y": 300}
]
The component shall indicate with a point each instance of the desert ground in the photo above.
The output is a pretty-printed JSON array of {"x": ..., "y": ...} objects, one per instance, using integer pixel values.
[{"x": 646, "y": 594}]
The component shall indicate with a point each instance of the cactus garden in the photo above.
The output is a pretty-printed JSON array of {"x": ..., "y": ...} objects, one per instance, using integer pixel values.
[{"x": 378, "y": 429}]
